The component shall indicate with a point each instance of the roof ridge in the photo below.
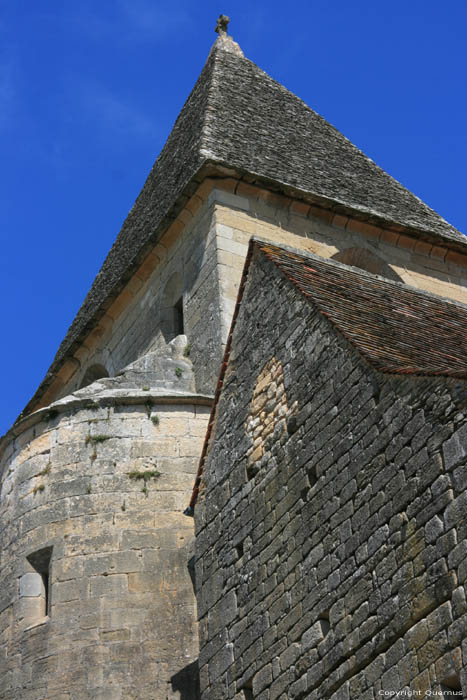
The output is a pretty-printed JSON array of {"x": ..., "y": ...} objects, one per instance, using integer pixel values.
[
  {"x": 223, "y": 43},
  {"x": 212, "y": 56}
]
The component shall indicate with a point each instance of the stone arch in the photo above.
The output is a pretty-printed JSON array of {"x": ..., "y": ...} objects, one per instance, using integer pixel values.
[
  {"x": 172, "y": 323},
  {"x": 92, "y": 374},
  {"x": 366, "y": 260}
]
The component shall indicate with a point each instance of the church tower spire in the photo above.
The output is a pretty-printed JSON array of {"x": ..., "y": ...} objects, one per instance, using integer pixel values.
[{"x": 96, "y": 473}]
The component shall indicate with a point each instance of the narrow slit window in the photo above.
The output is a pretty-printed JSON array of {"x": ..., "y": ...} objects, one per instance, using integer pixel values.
[
  {"x": 178, "y": 317},
  {"x": 324, "y": 623},
  {"x": 171, "y": 310},
  {"x": 247, "y": 690},
  {"x": 40, "y": 562},
  {"x": 45, "y": 580}
]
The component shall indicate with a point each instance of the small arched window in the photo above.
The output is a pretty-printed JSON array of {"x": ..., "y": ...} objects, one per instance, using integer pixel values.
[
  {"x": 366, "y": 260},
  {"x": 92, "y": 374},
  {"x": 172, "y": 308}
]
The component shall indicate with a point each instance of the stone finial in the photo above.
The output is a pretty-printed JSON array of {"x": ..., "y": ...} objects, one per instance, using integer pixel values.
[
  {"x": 224, "y": 41},
  {"x": 222, "y": 24}
]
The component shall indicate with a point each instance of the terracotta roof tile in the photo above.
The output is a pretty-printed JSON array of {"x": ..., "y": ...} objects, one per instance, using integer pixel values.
[{"x": 396, "y": 328}]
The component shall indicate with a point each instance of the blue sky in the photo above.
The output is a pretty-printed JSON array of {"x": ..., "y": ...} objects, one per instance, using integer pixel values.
[{"x": 90, "y": 90}]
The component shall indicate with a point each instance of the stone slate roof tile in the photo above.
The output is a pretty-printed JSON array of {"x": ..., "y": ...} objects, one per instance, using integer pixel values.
[
  {"x": 237, "y": 116},
  {"x": 258, "y": 126}
]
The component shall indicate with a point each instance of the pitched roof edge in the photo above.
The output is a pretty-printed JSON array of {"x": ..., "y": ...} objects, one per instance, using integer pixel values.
[
  {"x": 346, "y": 158},
  {"x": 259, "y": 241},
  {"x": 212, "y": 418},
  {"x": 340, "y": 207}
]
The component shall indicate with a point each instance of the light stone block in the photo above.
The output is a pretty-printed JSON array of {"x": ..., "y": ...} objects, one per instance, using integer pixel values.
[
  {"x": 30, "y": 611},
  {"x": 31, "y": 585},
  {"x": 227, "y": 198},
  {"x": 232, "y": 247},
  {"x": 224, "y": 231}
]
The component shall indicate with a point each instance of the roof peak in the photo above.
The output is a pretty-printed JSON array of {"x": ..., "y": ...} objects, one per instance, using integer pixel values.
[{"x": 224, "y": 41}]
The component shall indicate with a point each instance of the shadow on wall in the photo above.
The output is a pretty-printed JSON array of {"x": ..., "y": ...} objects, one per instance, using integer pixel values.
[
  {"x": 172, "y": 308},
  {"x": 186, "y": 682},
  {"x": 92, "y": 374},
  {"x": 366, "y": 260}
]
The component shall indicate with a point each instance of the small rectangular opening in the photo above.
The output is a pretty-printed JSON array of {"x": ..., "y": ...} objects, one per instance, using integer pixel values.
[
  {"x": 324, "y": 622},
  {"x": 40, "y": 561},
  {"x": 312, "y": 478},
  {"x": 247, "y": 690},
  {"x": 451, "y": 687},
  {"x": 178, "y": 317},
  {"x": 239, "y": 548},
  {"x": 252, "y": 470}
]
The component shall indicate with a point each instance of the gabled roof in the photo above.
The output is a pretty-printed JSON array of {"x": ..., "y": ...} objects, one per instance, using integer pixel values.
[
  {"x": 396, "y": 329},
  {"x": 237, "y": 116}
]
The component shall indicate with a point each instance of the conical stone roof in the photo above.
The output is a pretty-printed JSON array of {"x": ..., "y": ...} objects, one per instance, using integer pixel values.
[{"x": 237, "y": 116}]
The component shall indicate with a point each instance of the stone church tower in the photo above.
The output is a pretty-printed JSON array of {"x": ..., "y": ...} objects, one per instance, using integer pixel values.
[{"x": 96, "y": 592}]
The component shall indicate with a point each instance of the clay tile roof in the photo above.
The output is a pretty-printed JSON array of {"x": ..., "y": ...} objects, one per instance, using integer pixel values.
[
  {"x": 397, "y": 329},
  {"x": 237, "y": 116}
]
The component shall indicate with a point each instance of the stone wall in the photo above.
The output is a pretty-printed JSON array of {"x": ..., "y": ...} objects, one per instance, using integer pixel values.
[
  {"x": 64, "y": 615},
  {"x": 331, "y": 530},
  {"x": 96, "y": 600},
  {"x": 251, "y": 211},
  {"x": 134, "y": 325},
  {"x": 206, "y": 248}
]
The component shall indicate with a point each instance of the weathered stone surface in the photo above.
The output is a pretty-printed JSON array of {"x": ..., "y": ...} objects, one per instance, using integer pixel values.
[
  {"x": 31, "y": 585},
  {"x": 343, "y": 537},
  {"x": 305, "y": 493},
  {"x": 121, "y": 619}
]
